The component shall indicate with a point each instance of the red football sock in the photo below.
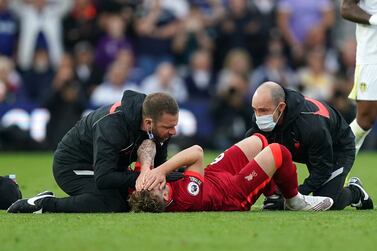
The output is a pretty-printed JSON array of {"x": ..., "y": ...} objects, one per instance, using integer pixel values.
[
  {"x": 285, "y": 176},
  {"x": 270, "y": 189}
]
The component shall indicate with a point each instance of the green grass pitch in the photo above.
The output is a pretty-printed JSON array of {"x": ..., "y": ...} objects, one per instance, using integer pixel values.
[{"x": 256, "y": 230}]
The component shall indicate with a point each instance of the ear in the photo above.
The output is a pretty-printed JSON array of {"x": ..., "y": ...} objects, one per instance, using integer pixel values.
[
  {"x": 165, "y": 194},
  {"x": 147, "y": 123},
  {"x": 282, "y": 106}
]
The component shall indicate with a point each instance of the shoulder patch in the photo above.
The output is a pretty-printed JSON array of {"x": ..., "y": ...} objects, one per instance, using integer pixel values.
[{"x": 193, "y": 188}]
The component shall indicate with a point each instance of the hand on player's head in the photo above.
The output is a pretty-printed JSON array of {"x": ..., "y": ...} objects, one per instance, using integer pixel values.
[{"x": 154, "y": 178}]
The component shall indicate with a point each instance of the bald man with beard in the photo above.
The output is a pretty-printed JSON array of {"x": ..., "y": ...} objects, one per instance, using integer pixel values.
[{"x": 317, "y": 135}]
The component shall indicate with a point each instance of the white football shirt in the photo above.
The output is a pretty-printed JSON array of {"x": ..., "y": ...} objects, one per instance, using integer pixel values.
[{"x": 366, "y": 36}]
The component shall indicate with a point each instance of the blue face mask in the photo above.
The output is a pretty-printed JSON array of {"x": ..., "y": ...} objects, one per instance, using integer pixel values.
[{"x": 266, "y": 122}]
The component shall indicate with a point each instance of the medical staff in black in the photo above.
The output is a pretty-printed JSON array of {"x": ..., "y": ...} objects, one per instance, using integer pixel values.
[
  {"x": 91, "y": 163},
  {"x": 318, "y": 136}
]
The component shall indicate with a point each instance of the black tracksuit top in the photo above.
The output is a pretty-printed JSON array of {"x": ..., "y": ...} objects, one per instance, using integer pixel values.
[
  {"x": 106, "y": 141},
  {"x": 316, "y": 134}
]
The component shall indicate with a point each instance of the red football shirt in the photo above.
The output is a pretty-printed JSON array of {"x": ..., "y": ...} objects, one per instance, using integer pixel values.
[{"x": 230, "y": 184}]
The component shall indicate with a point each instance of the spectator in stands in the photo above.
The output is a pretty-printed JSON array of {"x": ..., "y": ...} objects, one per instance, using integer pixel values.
[
  {"x": 301, "y": 20},
  {"x": 40, "y": 26},
  {"x": 12, "y": 81},
  {"x": 126, "y": 57},
  {"x": 275, "y": 68},
  {"x": 38, "y": 79},
  {"x": 239, "y": 28},
  {"x": 191, "y": 36},
  {"x": 200, "y": 80},
  {"x": 265, "y": 10},
  {"x": 315, "y": 81},
  {"x": 65, "y": 103},
  {"x": 80, "y": 24},
  {"x": 347, "y": 57},
  {"x": 166, "y": 80},
  {"x": 86, "y": 71},
  {"x": 155, "y": 27},
  {"x": 111, "y": 90},
  {"x": 112, "y": 42},
  {"x": 8, "y": 30},
  {"x": 213, "y": 10},
  {"x": 230, "y": 112},
  {"x": 340, "y": 101},
  {"x": 237, "y": 61}
]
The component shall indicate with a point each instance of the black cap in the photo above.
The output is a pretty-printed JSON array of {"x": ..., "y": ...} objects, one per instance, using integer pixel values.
[{"x": 9, "y": 192}]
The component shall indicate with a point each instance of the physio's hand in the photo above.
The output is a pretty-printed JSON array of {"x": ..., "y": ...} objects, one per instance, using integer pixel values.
[
  {"x": 154, "y": 178},
  {"x": 141, "y": 179}
]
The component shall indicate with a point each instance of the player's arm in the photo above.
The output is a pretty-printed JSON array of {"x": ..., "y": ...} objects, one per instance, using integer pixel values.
[
  {"x": 351, "y": 11},
  {"x": 191, "y": 157}
]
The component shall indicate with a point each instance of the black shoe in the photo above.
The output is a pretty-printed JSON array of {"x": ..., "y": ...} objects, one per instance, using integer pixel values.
[
  {"x": 32, "y": 205},
  {"x": 274, "y": 202},
  {"x": 365, "y": 201}
]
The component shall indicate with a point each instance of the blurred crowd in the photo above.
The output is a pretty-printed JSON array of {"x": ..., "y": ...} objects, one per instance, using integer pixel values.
[{"x": 67, "y": 56}]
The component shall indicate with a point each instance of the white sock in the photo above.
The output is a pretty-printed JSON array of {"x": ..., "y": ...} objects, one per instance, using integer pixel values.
[{"x": 359, "y": 133}]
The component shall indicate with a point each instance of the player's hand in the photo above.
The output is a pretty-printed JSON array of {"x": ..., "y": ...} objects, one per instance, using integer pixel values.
[{"x": 154, "y": 178}]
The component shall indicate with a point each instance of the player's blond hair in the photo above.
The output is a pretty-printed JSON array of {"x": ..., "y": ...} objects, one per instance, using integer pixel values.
[{"x": 145, "y": 201}]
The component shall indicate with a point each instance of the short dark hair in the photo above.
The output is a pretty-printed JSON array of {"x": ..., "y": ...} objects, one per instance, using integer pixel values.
[
  {"x": 145, "y": 201},
  {"x": 156, "y": 104},
  {"x": 277, "y": 94}
]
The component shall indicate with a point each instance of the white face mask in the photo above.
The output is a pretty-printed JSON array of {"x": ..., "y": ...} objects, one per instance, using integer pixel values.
[{"x": 266, "y": 122}]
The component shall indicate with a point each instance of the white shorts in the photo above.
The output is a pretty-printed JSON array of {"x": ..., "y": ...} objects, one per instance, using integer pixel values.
[{"x": 365, "y": 85}]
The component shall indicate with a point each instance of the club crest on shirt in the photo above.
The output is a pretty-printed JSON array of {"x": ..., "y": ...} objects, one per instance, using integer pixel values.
[
  {"x": 363, "y": 87},
  {"x": 251, "y": 176},
  {"x": 193, "y": 188}
]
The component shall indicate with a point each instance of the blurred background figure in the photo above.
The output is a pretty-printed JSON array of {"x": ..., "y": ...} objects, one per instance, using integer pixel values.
[
  {"x": 302, "y": 23},
  {"x": 11, "y": 82},
  {"x": 240, "y": 27},
  {"x": 156, "y": 24},
  {"x": 165, "y": 79},
  {"x": 274, "y": 68},
  {"x": 237, "y": 61},
  {"x": 80, "y": 24},
  {"x": 86, "y": 71},
  {"x": 111, "y": 90},
  {"x": 315, "y": 81},
  {"x": 38, "y": 79},
  {"x": 65, "y": 103},
  {"x": 112, "y": 41},
  {"x": 8, "y": 30},
  {"x": 230, "y": 111},
  {"x": 40, "y": 27},
  {"x": 192, "y": 35},
  {"x": 126, "y": 57},
  {"x": 200, "y": 80}
]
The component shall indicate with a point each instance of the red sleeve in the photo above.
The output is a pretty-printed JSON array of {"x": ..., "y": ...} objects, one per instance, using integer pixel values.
[
  {"x": 262, "y": 138},
  {"x": 187, "y": 193}
]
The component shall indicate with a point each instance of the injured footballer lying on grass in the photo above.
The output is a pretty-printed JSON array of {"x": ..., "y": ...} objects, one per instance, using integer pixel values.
[{"x": 232, "y": 182}]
